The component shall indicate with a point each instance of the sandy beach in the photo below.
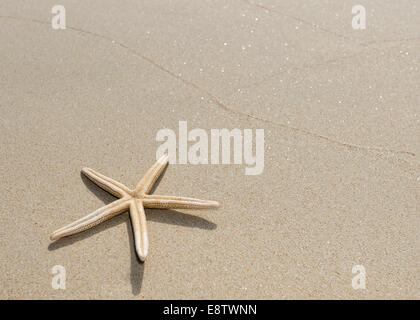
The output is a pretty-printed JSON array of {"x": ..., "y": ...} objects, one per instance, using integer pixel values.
[{"x": 340, "y": 112}]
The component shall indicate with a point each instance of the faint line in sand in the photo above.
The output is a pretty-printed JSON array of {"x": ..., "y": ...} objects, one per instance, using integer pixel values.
[
  {"x": 217, "y": 100},
  {"x": 316, "y": 26}
]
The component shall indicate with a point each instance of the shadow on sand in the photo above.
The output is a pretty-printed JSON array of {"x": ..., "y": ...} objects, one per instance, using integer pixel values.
[{"x": 157, "y": 215}]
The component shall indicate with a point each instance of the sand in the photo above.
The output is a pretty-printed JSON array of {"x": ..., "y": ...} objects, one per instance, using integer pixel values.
[{"x": 340, "y": 109}]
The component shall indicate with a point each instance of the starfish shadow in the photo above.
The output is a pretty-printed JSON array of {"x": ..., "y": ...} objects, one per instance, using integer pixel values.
[
  {"x": 165, "y": 215},
  {"x": 100, "y": 193},
  {"x": 137, "y": 267},
  {"x": 179, "y": 218},
  {"x": 175, "y": 217}
]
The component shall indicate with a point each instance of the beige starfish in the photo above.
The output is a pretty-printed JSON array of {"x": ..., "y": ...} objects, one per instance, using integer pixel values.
[{"x": 133, "y": 200}]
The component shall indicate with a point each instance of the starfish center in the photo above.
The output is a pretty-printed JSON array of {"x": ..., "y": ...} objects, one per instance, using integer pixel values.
[{"x": 138, "y": 197}]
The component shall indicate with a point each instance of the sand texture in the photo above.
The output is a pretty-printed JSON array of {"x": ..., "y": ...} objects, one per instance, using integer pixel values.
[{"x": 340, "y": 109}]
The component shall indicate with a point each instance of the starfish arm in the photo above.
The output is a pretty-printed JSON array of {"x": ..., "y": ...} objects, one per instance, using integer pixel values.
[
  {"x": 108, "y": 184},
  {"x": 171, "y": 202},
  {"x": 146, "y": 183},
  {"x": 93, "y": 219},
  {"x": 138, "y": 222}
]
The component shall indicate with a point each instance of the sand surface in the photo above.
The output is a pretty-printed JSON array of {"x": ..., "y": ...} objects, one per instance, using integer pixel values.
[{"x": 341, "y": 114}]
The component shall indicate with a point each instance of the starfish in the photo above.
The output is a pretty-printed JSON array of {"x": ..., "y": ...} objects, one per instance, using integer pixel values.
[{"x": 134, "y": 201}]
